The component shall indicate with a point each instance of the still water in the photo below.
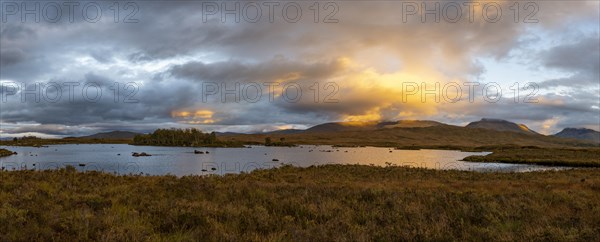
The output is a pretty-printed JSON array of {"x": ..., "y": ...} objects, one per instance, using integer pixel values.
[{"x": 117, "y": 158}]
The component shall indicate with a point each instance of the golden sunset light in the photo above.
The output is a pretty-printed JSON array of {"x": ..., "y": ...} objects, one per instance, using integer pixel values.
[{"x": 352, "y": 120}]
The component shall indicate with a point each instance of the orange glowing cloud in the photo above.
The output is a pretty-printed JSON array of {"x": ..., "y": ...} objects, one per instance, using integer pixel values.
[{"x": 194, "y": 117}]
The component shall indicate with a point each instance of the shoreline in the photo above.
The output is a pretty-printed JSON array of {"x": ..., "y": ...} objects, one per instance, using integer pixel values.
[{"x": 542, "y": 156}]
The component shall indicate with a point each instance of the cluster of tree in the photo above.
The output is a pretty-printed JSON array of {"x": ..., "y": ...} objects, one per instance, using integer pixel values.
[
  {"x": 177, "y": 137},
  {"x": 27, "y": 138},
  {"x": 269, "y": 142}
]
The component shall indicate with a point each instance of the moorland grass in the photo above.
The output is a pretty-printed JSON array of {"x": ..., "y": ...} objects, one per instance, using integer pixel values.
[
  {"x": 542, "y": 156},
  {"x": 324, "y": 203}
]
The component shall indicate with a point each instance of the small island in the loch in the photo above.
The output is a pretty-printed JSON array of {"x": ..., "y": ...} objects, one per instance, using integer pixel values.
[
  {"x": 182, "y": 137},
  {"x": 5, "y": 152}
]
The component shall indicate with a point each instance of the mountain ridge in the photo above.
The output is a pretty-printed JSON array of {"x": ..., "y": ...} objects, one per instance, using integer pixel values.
[
  {"x": 579, "y": 133},
  {"x": 500, "y": 125},
  {"x": 372, "y": 125},
  {"x": 111, "y": 135},
  {"x": 419, "y": 134}
]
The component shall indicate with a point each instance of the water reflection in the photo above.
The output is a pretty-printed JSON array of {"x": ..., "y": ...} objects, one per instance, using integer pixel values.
[{"x": 118, "y": 159}]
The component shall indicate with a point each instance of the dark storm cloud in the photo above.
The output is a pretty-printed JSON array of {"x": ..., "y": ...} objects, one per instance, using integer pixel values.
[
  {"x": 102, "y": 56},
  {"x": 276, "y": 68},
  {"x": 11, "y": 56},
  {"x": 12, "y": 31},
  {"x": 51, "y": 129},
  {"x": 98, "y": 103},
  {"x": 583, "y": 55},
  {"x": 581, "y": 59}
]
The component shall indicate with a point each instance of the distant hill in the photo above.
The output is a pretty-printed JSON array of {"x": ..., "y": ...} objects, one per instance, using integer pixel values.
[
  {"x": 500, "y": 125},
  {"x": 342, "y": 126},
  {"x": 410, "y": 124},
  {"x": 227, "y": 133},
  {"x": 579, "y": 133},
  {"x": 112, "y": 135},
  {"x": 365, "y": 126},
  {"x": 285, "y": 131}
]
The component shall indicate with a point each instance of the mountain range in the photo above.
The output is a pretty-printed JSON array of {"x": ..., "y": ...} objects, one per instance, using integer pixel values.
[
  {"x": 111, "y": 135},
  {"x": 485, "y": 123},
  {"x": 421, "y": 133}
]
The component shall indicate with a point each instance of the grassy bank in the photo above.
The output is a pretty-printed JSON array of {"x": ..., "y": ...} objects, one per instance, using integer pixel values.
[
  {"x": 334, "y": 202},
  {"x": 542, "y": 156}
]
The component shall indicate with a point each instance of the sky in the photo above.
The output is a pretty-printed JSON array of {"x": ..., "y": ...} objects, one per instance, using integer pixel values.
[{"x": 78, "y": 68}]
